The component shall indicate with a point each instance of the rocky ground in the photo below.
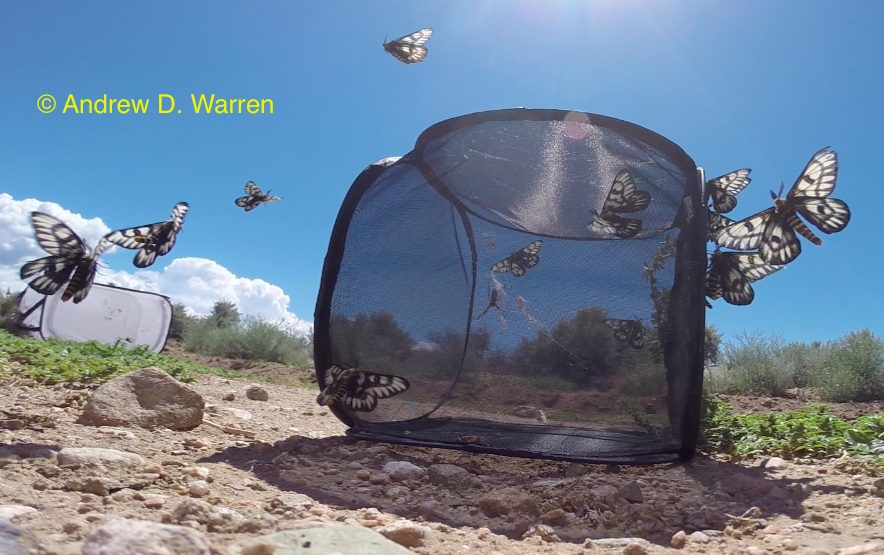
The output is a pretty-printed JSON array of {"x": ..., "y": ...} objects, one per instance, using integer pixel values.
[{"x": 266, "y": 459}]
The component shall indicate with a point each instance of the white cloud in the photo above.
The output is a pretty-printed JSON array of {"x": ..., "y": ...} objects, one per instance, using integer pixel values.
[{"x": 197, "y": 283}]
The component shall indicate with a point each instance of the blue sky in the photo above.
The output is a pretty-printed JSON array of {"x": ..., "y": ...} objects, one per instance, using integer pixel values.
[{"x": 751, "y": 84}]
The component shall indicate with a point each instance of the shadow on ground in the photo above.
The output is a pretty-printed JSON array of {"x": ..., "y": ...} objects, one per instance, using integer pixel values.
[{"x": 699, "y": 495}]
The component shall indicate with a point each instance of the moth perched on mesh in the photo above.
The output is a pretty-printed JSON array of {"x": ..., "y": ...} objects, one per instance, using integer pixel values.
[
  {"x": 409, "y": 49},
  {"x": 730, "y": 274},
  {"x": 71, "y": 262},
  {"x": 622, "y": 198},
  {"x": 772, "y": 231},
  {"x": 519, "y": 262},
  {"x": 716, "y": 224},
  {"x": 723, "y": 189},
  {"x": 151, "y": 240},
  {"x": 254, "y": 197},
  {"x": 359, "y": 390},
  {"x": 631, "y": 331}
]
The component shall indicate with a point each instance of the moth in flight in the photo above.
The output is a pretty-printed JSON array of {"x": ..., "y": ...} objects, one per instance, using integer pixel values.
[
  {"x": 151, "y": 240},
  {"x": 254, "y": 197},
  {"x": 631, "y": 331},
  {"x": 622, "y": 198},
  {"x": 723, "y": 189},
  {"x": 410, "y": 48},
  {"x": 70, "y": 262},
  {"x": 519, "y": 262},
  {"x": 358, "y": 390},
  {"x": 772, "y": 231},
  {"x": 730, "y": 274}
]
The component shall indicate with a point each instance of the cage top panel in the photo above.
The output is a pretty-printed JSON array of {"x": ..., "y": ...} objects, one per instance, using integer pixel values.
[{"x": 553, "y": 172}]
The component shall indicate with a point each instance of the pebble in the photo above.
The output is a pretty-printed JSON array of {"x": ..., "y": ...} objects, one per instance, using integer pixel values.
[
  {"x": 679, "y": 539},
  {"x": 257, "y": 393},
  {"x": 199, "y": 488}
]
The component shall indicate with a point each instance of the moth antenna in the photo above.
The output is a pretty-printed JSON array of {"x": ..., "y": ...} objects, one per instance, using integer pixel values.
[
  {"x": 782, "y": 186},
  {"x": 773, "y": 195},
  {"x": 385, "y": 39}
]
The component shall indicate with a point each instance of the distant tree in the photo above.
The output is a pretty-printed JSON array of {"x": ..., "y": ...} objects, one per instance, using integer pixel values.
[
  {"x": 224, "y": 315},
  {"x": 713, "y": 345},
  {"x": 180, "y": 322},
  {"x": 578, "y": 349},
  {"x": 9, "y": 312}
]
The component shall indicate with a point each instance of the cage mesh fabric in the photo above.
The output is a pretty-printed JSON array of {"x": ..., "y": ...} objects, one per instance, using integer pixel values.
[
  {"x": 108, "y": 315},
  {"x": 540, "y": 361}
]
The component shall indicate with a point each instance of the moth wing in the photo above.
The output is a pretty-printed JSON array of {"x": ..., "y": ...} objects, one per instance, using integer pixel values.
[
  {"x": 55, "y": 237},
  {"x": 129, "y": 238},
  {"x": 830, "y": 215},
  {"x": 746, "y": 234},
  {"x": 779, "y": 244},
  {"x": 716, "y": 223},
  {"x": 753, "y": 266},
  {"x": 332, "y": 378},
  {"x": 624, "y": 197},
  {"x": 818, "y": 178},
  {"x": 145, "y": 257},
  {"x": 723, "y": 189}
]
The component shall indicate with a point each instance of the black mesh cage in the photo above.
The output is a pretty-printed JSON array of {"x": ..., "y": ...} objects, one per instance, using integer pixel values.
[{"x": 498, "y": 272}]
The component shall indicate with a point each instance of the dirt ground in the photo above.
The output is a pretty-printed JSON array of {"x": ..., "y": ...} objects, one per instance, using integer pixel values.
[{"x": 300, "y": 470}]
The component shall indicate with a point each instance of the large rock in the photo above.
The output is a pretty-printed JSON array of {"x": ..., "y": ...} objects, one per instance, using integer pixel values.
[
  {"x": 14, "y": 540},
  {"x": 148, "y": 398},
  {"x": 123, "y": 536},
  {"x": 111, "y": 459},
  {"x": 324, "y": 541}
]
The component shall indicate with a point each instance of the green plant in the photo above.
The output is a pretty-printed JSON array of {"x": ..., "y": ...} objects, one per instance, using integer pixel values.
[
  {"x": 252, "y": 339},
  {"x": 54, "y": 360},
  {"x": 855, "y": 370},
  {"x": 813, "y": 432}
]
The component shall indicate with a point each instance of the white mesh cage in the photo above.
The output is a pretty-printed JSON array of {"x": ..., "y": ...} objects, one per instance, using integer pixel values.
[{"x": 107, "y": 315}]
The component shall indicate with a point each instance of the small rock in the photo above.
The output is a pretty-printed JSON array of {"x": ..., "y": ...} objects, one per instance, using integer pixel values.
[
  {"x": 632, "y": 492},
  {"x": 634, "y": 548},
  {"x": 861, "y": 549},
  {"x": 199, "y": 488},
  {"x": 812, "y": 551},
  {"x": 363, "y": 474},
  {"x": 504, "y": 501},
  {"x": 405, "y": 533},
  {"x": 111, "y": 459},
  {"x": 698, "y": 537},
  {"x": 154, "y": 501},
  {"x": 259, "y": 548},
  {"x": 200, "y": 472},
  {"x": 552, "y": 516},
  {"x": 449, "y": 476},
  {"x": 679, "y": 539},
  {"x": 542, "y": 531},
  {"x": 229, "y": 397},
  {"x": 239, "y": 413},
  {"x": 399, "y": 471},
  {"x": 755, "y": 550},
  {"x": 138, "y": 536},
  {"x": 257, "y": 393},
  {"x": 576, "y": 469}
]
